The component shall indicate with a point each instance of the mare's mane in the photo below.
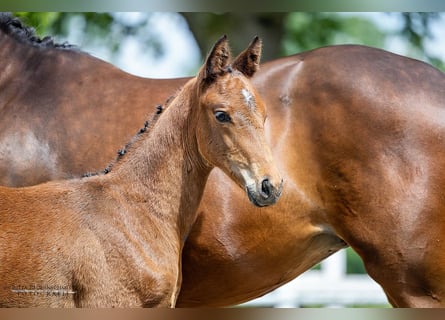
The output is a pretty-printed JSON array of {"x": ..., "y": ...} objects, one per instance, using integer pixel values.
[{"x": 14, "y": 27}]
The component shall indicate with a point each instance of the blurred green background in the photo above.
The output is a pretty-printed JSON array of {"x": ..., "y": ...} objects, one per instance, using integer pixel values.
[{"x": 414, "y": 34}]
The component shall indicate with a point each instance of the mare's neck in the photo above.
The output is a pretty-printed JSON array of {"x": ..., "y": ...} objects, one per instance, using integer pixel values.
[
  {"x": 164, "y": 166},
  {"x": 13, "y": 58},
  {"x": 25, "y": 67}
]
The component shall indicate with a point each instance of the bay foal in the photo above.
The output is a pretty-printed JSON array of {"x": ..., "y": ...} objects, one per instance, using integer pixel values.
[{"x": 115, "y": 239}]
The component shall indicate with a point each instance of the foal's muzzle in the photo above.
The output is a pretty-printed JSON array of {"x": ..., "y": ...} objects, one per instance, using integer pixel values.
[{"x": 264, "y": 193}]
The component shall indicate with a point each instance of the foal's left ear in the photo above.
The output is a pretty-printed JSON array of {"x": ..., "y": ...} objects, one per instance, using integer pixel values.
[
  {"x": 248, "y": 61},
  {"x": 216, "y": 62}
]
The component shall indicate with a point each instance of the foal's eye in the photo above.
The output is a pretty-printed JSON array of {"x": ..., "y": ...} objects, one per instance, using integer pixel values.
[{"x": 222, "y": 116}]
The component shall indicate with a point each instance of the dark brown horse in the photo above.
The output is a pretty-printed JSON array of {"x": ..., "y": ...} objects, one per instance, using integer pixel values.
[
  {"x": 115, "y": 239},
  {"x": 358, "y": 134}
]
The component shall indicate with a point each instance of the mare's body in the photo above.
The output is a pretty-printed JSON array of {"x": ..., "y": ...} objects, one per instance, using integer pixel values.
[{"x": 357, "y": 132}]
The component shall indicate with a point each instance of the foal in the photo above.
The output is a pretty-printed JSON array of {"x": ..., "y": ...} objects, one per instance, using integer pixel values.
[{"x": 115, "y": 239}]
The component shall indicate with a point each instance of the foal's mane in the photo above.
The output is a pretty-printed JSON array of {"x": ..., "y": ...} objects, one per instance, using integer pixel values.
[
  {"x": 14, "y": 27},
  {"x": 148, "y": 125}
]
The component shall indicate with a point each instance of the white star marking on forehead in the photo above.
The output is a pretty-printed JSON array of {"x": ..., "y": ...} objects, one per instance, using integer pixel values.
[{"x": 248, "y": 98}]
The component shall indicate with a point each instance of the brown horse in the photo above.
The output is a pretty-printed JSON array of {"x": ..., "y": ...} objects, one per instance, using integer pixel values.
[
  {"x": 357, "y": 133},
  {"x": 116, "y": 239}
]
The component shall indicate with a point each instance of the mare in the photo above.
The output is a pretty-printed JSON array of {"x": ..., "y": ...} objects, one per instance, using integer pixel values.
[
  {"x": 115, "y": 239},
  {"x": 357, "y": 132}
]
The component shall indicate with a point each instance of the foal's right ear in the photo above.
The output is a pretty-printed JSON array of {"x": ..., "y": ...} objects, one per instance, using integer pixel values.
[{"x": 216, "y": 62}]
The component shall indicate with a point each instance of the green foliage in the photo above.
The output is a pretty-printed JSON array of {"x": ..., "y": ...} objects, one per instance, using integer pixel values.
[
  {"x": 417, "y": 29},
  {"x": 100, "y": 29},
  {"x": 42, "y": 22},
  {"x": 354, "y": 263},
  {"x": 286, "y": 33},
  {"x": 417, "y": 26},
  {"x": 305, "y": 31},
  {"x": 57, "y": 23}
]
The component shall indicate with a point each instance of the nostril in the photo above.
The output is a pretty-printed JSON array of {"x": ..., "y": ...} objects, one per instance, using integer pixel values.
[{"x": 266, "y": 187}]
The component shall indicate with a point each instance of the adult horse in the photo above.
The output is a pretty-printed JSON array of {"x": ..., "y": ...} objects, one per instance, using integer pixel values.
[
  {"x": 357, "y": 133},
  {"x": 115, "y": 239}
]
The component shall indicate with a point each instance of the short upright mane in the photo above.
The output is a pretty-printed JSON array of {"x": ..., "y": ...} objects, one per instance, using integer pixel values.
[
  {"x": 145, "y": 129},
  {"x": 14, "y": 27}
]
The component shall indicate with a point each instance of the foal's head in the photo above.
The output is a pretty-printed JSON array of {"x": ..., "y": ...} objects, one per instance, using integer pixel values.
[{"x": 231, "y": 120}]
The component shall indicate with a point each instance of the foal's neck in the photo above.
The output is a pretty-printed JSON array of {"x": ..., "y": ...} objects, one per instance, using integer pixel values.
[{"x": 165, "y": 167}]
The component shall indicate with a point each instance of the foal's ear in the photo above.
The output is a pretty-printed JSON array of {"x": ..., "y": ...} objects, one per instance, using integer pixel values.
[
  {"x": 248, "y": 61},
  {"x": 216, "y": 62}
]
